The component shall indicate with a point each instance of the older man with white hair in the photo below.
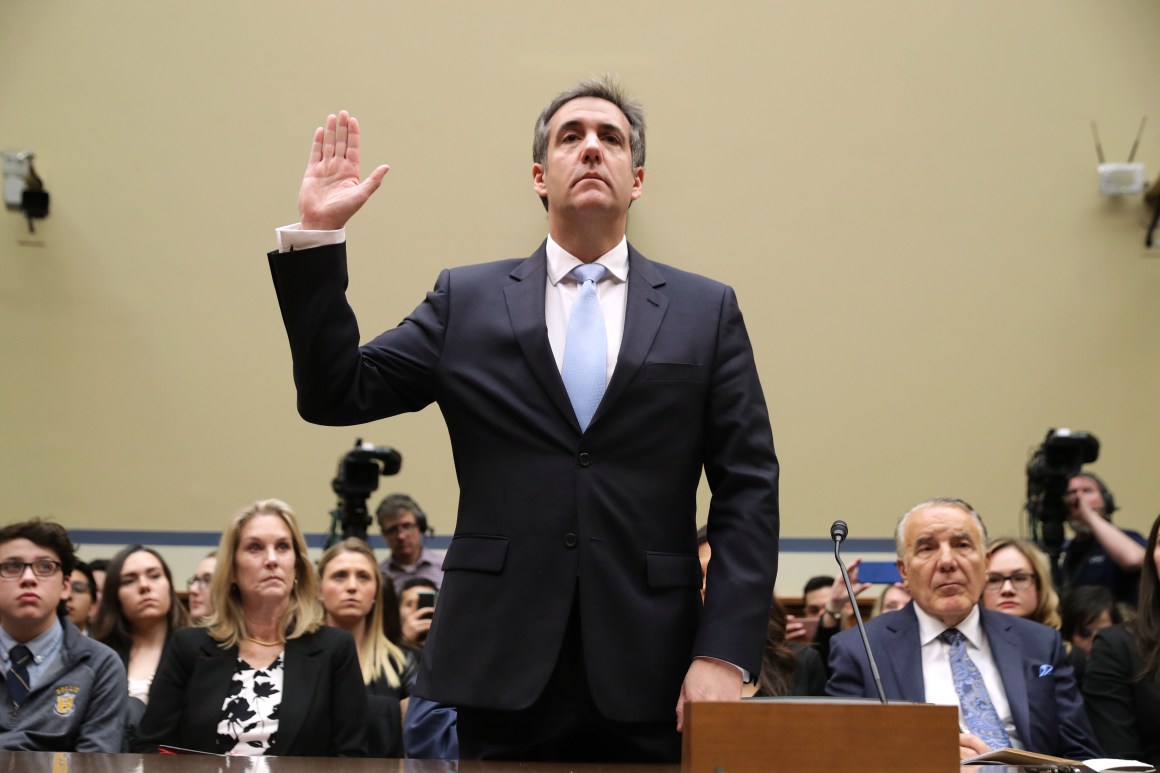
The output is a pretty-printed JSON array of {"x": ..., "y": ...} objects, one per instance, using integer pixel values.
[{"x": 1010, "y": 677}]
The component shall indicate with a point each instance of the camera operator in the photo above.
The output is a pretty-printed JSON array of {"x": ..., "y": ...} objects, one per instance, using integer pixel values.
[{"x": 1100, "y": 553}]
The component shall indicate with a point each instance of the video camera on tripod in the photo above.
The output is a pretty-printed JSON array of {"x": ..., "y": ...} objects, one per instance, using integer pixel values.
[
  {"x": 357, "y": 478},
  {"x": 1056, "y": 461}
]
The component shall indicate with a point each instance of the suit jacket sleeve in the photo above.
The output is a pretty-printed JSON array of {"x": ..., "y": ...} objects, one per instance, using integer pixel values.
[
  {"x": 850, "y": 675},
  {"x": 338, "y": 383},
  {"x": 742, "y": 471},
  {"x": 167, "y": 700},
  {"x": 103, "y": 727},
  {"x": 348, "y": 707},
  {"x": 1077, "y": 741},
  {"x": 1109, "y": 694}
]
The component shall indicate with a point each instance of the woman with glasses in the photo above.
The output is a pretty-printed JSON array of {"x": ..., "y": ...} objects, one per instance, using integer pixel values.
[
  {"x": 200, "y": 604},
  {"x": 354, "y": 600},
  {"x": 1122, "y": 688},
  {"x": 138, "y": 614},
  {"x": 1019, "y": 582},
  {"x": 263, "y": 676}
]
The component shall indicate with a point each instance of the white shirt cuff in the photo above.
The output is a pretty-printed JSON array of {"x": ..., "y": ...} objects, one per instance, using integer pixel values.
[{"x": 292, "y": 237}]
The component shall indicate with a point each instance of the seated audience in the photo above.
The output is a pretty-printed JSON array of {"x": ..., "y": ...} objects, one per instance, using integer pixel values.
[
  {"x": 200, "y": 605},
  {"x": 264, "y": 675},
  {"x": 1100, "y": 553},
  {"x": 61, "y": 692},
  {"x": 1009, "y": 676},
  {"x": 352, "y": 595},
  {"x": 787, "y": 668},
  {"x": 894, "y": 597},
  {"x": 139, "y": 612},
  {"x": 1086, "y": 611},
  {"x": 403, "y": 524},
  {"x": 81, "y": 596},
  {"x": 1122, "y": 687},
  {"x": 1019, "y": 582},
  {"x": 416, "y": 620}
]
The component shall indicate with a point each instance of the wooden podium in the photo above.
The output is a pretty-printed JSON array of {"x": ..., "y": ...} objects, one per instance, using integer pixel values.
[{"x": 832, "y": 734}]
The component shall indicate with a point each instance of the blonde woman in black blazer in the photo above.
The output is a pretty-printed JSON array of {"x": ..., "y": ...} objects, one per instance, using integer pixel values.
[{"x": 264, "y": 676}]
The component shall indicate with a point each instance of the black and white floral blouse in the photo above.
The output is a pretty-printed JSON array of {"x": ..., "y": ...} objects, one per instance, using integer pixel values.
[{"x": 250, "y": 714}]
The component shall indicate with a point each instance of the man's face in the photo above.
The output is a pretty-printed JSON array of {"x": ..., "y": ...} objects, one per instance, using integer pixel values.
[
  {"x": 1081, "y": 489},
  {"x": 588, "y": 167},
  {"x": 28, "y": 602},
  {"x": 78, "y": 599},
  {"x": 815, "y": 601},
  {"x": 403, "y": 538},
  {"x": 944, "y": 564}
]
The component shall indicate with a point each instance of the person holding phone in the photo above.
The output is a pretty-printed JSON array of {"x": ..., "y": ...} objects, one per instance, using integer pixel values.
[{"x": 416, "y": 609}]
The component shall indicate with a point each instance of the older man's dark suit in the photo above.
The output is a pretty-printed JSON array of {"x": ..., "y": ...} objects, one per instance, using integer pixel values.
[
  {"x": 1039, "y": 683},
  {"x": 547, "y": 511}
]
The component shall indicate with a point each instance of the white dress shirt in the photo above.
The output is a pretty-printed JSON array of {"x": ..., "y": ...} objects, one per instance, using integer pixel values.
[{"x": 936, "y": 667}]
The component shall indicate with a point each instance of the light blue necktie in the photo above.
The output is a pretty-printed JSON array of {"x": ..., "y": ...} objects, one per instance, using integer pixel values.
[
  {"x": 978, "y": 711},
  {"x": 586, "y": 348}
]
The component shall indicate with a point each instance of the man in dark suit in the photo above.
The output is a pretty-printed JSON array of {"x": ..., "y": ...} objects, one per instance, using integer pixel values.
[
  {"x": 581, "y": 411},
  {"x": 1009, "y": 676}
]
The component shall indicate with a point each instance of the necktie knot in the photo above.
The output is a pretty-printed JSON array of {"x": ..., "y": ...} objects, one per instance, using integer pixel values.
[
  {"x": 951, "y": 636},
  {"x": 20, "y": 655},
  {"x": 589, "y": 272}
]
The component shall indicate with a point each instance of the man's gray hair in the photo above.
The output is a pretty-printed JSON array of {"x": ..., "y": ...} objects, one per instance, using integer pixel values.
[
  {"x": 601, "y": 87},
  {"x": 900, "y": 530}
]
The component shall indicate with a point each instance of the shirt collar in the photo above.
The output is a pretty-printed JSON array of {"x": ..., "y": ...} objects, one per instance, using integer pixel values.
[
  {"x": 930, "y": 627},
  {"x": 561, "y": 262},
  {"x": 40, "y": 646}
]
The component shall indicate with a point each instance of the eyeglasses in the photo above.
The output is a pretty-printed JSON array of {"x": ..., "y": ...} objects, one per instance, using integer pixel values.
[
  {"x": 1019, "y": 580},
  {"x": 80, "y": 587},
  {"x": 10, "y": 570},
  {"x": 203, "y": 580},
  {"x": 391, "y": 531}
]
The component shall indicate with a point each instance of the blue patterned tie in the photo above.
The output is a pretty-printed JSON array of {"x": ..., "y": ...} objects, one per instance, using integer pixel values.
[
  {"x": 978, "y": 711},
  {"x": 586, "y": 348},
  {"x": 18, "y": 674}
]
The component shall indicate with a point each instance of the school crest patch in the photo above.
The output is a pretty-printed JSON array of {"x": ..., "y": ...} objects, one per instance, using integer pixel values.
[{"x": 66, "y": 697}]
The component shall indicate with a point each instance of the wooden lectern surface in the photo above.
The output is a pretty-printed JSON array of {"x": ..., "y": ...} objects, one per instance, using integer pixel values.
[{"x": 56, "y": 762}]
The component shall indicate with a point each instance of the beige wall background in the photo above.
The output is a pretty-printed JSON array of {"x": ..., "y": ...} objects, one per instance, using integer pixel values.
[{"x": 903, "y": 193}]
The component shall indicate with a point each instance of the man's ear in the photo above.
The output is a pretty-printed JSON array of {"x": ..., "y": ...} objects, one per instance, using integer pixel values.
[
  {"x": 902, "y": 570},
  {"x": 637, "y": 182},
  {"x": 538, "y": 184}
]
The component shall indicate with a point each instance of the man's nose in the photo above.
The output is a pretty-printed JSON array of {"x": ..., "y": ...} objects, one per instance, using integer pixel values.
[{"x": 592, "y": 148}]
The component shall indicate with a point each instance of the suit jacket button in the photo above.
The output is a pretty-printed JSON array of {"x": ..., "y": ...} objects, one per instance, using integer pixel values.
[
  {"x": 570, "y": 540},
  {"x": 584, "y": 459}
]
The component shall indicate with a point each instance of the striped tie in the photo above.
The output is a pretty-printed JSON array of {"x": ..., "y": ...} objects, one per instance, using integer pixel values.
[{"x": 18, "y": 674}]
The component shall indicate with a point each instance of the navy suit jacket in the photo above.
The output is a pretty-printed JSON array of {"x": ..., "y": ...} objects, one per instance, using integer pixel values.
[
  {"x": 1040, "y": 685},
  {"x": 546, "y": 511}
]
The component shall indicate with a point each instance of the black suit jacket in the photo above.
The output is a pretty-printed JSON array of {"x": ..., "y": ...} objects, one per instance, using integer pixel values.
[
  {"x": 547, "y": 511},
  {"x": 1045, "y": 704},
  {"x": 324, "y": 703},
  {"x": 1123, "y": 708}
]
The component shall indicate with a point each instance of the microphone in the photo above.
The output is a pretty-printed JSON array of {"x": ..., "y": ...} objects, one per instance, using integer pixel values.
[{"x": 838, "y": 532}]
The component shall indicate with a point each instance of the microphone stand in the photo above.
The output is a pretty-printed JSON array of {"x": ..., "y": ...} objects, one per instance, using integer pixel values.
[{"x": 838, "y": 532}]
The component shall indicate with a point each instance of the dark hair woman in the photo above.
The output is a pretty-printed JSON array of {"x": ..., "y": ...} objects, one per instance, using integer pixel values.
[{"x": 1122, "y": 686}]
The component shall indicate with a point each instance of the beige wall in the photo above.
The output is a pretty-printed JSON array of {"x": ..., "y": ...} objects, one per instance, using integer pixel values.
[{"x": 903, "y": 193}]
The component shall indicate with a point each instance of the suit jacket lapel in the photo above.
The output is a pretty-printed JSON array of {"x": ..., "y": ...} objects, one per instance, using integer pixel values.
[
  {"x": 525, "y": 304},
  {"x": 215, "y": 680},
  {"x": 644, "y": 311},
  {"x": 1006, "y": 650},
  {"x": 904, "y": 654},
  {"x": 302, "y": 671}
]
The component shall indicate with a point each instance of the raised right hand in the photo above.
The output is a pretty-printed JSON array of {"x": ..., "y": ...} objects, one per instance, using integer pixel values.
[{"x": 331, "y": 191}]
